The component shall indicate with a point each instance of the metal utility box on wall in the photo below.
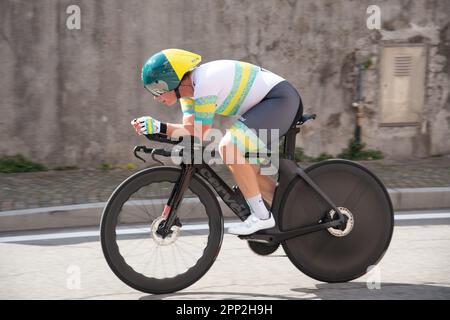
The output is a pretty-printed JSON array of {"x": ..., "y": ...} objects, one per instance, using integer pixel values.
[{"x": 402, "y": 84}]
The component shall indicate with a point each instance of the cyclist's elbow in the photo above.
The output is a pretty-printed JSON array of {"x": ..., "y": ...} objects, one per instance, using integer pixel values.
[
  {"x": 189, "y": 128},
  {"x": 198, "y": 132}
]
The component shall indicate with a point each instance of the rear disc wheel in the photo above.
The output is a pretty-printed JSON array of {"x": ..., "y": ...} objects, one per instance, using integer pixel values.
[{"x": 338, "y": 254}]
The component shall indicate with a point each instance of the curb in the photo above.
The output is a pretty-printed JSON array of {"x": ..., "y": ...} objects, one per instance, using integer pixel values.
[
  {"x": 420, "y": 198},
  {"x": 84, "y": 215},
  {"x": 71, "y": 216}
]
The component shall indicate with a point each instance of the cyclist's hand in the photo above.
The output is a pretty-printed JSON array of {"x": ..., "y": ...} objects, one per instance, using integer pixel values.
[{"x": 146, "y": 125}]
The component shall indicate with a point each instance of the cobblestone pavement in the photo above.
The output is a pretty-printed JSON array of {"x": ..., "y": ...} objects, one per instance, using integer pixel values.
[{"x": 55, "y": 188}]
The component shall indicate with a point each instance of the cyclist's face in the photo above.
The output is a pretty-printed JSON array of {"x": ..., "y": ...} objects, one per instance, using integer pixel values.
[{"x": 168, "y": 98}]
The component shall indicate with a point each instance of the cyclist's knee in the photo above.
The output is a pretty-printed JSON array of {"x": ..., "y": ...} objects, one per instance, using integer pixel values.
[
  {"x": 224, "y": 146},
  {"x": 228, "y": 150}
]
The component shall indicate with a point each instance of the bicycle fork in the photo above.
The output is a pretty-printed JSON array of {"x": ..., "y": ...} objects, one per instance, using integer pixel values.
[{"x": 176, "y": 196}]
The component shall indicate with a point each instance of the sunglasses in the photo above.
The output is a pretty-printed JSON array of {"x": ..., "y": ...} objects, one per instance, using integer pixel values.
[{"x": 155, "y": 90}]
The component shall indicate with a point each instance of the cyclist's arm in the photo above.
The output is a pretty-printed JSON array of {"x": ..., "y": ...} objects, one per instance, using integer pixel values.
[
  {"x": 187, "y": 127},
  {"x": 198, "y": 117}
]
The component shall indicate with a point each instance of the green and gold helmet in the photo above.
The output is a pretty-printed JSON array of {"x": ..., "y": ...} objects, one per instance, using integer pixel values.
[{"x": 163, "y": 71}]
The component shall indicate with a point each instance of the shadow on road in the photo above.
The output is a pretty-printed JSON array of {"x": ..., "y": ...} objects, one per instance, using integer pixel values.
[
  {"x": 326, "y": 291},
  {"x": 389, "y": 291},
  {"x": 215, "y": 295}
]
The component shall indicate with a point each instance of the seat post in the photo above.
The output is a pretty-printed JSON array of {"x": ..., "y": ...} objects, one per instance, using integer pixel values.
[{"x": 289, "y": 142}]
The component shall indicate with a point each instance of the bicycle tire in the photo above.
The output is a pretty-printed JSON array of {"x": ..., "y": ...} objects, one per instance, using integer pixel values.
[
  {"x": 108, "y": 232},
  {"x": 321, "y": 255}
]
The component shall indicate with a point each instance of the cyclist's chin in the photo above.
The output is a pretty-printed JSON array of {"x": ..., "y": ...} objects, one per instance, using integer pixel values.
[{"x": 169, "y": 102}]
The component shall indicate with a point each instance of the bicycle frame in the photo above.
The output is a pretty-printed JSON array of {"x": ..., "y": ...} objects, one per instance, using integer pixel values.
[{"x": 288, "y": 170}]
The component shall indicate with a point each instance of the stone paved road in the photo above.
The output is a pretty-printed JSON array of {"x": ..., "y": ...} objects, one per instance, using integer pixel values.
[{"x": 54, "y": 188}]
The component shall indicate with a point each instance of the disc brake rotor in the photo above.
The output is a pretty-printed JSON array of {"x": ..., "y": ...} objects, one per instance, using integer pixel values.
[
  {"x": 171, "y": 238},
  {"x": 349, "y": 224}
]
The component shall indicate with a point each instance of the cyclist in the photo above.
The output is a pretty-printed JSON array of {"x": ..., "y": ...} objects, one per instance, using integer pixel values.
[{"x": 262, "y": 99}]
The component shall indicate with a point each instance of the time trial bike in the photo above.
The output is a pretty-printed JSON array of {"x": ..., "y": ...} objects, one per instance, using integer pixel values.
[{"x": 162, "y": 228}]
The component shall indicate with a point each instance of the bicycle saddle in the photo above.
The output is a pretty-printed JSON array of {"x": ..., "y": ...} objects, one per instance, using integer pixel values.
[{"x": 305, "y": 117}]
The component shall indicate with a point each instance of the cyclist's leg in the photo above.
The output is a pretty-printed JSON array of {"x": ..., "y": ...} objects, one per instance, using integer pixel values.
[
  {"x": 243, "y": 173},
  {"x": 246, "y": 178},
  {"x": 277, "y": 111},
  {"x": 249, "y": 183},
  {"x": 253, "y": 132},
  {"x": 265, "y": 184}
]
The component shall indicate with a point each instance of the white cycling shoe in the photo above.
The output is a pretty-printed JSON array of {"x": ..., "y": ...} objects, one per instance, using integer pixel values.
[{"x": 251, "y": 225}]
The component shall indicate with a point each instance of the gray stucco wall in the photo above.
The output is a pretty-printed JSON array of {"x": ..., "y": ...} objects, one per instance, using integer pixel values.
[{"x": 67, "y": 96}]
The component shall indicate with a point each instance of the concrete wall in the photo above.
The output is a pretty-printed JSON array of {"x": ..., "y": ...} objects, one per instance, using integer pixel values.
[{"x": 67, "y": 96}]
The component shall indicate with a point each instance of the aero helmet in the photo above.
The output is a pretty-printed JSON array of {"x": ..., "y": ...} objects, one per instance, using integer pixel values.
[{"x": 163, "y": 71}]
